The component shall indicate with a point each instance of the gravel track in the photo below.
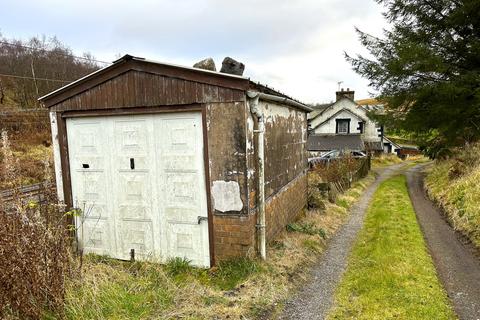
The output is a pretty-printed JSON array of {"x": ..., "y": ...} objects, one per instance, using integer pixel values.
[
  {"x": 315, "y": 299},
  {"x": 455, "y": 261}
]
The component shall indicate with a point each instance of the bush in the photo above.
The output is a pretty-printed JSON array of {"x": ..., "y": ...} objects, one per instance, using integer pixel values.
[
  {"x": 34, "y": 252},
  {"x": 335, "y": 170},
  {"x": 317, "y": 191}
]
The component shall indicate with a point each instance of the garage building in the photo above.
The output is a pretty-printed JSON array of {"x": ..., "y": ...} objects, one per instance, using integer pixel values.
[{"x": 164, "y": 161}]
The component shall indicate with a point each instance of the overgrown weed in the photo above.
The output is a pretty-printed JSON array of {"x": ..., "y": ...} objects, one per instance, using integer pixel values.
[
  {"x": 34, "y": 245},
  {"x": 453, "y": 184}
]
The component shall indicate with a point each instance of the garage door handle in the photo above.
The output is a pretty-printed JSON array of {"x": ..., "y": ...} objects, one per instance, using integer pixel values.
[{"x": 200, "y": 219}]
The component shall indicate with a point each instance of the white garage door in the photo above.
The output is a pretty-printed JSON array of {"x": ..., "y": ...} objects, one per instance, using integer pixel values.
[{"x": 140, "y": 184}]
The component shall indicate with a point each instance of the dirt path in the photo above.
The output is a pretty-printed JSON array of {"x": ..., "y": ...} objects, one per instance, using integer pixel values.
[
  {"x": 315, "y": 299},
  {"x": 456, "y": 264}
]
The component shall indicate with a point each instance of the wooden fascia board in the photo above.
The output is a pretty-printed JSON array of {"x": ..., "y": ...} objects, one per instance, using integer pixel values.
[
  {"x": 85, "y": 84},
  {"x": 121, "y": 67}
]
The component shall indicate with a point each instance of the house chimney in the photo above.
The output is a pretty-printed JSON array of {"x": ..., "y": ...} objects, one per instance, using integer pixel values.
[
  {"x": 232, "y": 66},
  {"x": 350, "y": 94}
]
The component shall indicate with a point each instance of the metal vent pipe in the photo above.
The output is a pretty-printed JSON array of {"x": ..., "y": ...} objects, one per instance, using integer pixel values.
[{"x": 260, "y": 131}]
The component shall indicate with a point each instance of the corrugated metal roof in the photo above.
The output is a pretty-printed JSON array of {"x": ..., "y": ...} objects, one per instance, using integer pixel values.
[{"x": 317, "y": 142}]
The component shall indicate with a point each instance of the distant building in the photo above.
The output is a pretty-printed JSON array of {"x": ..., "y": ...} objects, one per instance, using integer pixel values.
[{"x": 346, "y": 125}]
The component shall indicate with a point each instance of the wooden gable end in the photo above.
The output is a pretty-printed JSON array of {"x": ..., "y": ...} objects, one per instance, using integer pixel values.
[{"x": 135, "y": 88}]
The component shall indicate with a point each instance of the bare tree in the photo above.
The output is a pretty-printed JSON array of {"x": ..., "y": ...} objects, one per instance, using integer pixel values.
[{"x": 37, "y": 66}]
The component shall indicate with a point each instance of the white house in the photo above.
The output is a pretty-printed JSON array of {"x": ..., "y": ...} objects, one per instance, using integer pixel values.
[{"x": 345, "y": 125}]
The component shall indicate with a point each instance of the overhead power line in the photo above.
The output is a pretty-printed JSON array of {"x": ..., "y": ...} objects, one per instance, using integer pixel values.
[
  {"x": 32, "y": 78},
  {"x": 62, "y": 54}
]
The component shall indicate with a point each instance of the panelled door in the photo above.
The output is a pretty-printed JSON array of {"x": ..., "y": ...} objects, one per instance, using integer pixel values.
[{"x": 140, "y": 184}]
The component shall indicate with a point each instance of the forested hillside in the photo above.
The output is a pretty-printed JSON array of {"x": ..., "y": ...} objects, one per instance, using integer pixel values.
[
  {"x": 28, "y": 70},
  {"x": 34, "y": 67}
]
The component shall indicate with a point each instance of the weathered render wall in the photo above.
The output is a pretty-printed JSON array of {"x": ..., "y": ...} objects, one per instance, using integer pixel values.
[
  {"x": 226, "y": 152},
  {"x": 234, "y": 227},
  {"x": 285, "y": 164},
  {"x": 233, "y": 172}
]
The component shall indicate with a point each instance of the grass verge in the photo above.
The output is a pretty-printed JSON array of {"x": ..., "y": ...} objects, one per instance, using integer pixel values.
[
  {"x": 453, "y": 184},
  {"x": 385, "y": 160},
  {"x": 236, "y": 289},
  {"x": 390, "y": 274}
]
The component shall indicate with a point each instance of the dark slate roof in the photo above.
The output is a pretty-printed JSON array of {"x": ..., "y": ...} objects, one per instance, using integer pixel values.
[
  {"x": 374, "y": 145},
  {"x": 319, "y": 109},
  {"x": 317, "y": 142},
  {"x": 322, "y": 106}
]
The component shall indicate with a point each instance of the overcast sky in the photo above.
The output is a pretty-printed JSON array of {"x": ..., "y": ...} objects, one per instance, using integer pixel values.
[{"x": 294, "y": 46}]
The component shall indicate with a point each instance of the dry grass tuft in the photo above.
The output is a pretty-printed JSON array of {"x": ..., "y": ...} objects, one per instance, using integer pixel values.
[
  {"x": 28, "y": 150},
  {"x": 453, "y": 184},
  {"x": 385, "y": 160},
  {"x": 34, "y": 250}
]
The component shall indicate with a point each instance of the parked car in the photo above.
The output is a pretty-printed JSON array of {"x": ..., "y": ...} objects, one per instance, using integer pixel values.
[{"x": 334, "y": 155}]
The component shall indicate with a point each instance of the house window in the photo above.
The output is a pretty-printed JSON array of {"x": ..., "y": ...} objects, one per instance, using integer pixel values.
[
  {"x": 343, "y": 126},
  {"x": 360, "y": 126}
]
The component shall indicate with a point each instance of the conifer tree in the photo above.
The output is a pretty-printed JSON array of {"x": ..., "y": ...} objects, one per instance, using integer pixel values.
[{"x": 427, "y": 69}]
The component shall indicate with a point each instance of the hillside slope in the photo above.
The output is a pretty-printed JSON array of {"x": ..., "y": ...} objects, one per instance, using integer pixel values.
[{"x": 453, "y": 184}]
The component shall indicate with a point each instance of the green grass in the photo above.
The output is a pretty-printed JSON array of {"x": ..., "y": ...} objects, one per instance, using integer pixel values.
[
  {"x": 119, "y": 290},
  {"x": 113, "y": 289},
  {"x": 240, "y": 288},
  {"x": 454, "y": 185},
  {"x": 390, "y": 274},
  {"x": 230, "y": 273}
]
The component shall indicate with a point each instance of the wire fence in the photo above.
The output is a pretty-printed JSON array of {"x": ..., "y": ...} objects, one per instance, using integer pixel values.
[
  {"x": 34, "y": 192},
  {"x": 339, "y": 175},
  {"x": 18, "y": 120}
]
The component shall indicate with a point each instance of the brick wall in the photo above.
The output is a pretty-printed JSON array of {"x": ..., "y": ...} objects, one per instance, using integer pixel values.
[
  {"x": 235, "y": 235},
  {"x": 284, "y": 206}
]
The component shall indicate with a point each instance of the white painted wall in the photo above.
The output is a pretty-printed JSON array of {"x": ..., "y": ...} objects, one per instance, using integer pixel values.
[{"x": 345, "y": 109}]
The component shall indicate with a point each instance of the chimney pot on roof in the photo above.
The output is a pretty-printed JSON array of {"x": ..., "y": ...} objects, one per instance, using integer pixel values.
[{"x": 350, "y": 94}]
